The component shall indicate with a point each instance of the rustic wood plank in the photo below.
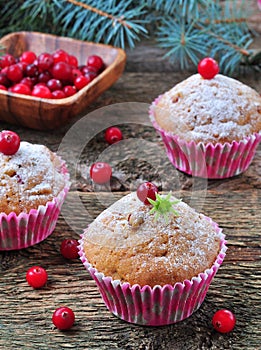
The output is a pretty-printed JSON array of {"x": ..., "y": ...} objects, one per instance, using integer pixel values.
[{"x": 25, "y": 320}]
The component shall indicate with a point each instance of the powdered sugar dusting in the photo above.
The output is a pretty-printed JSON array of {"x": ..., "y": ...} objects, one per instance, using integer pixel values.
[
  {"x": 29, "y": 178},
  {"x": 216, "y": 110},
  {"x": 186, "y": 243}
]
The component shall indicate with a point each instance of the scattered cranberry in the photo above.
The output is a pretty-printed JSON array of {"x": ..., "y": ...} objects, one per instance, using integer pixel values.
[
  {"x": 36, "y": 277},
  {"x": 113, "y": 134},
  {"x": 100, "y": 172},
  {"x": 208, "y": 68},
  {"x": 147, "y": 190},
  {"x": 63, "y": 318},
  {"x": 9, "y": 142},
  {"x": 95, "y": 62},
  {"x": 2, "y": 87},
  {"x": 224, "y": 321},
  {"x": 69, "y": 248}
]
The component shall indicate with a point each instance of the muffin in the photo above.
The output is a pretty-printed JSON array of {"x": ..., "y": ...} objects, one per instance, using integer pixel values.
[
  {"x": 210, "y": 127},
  {"x": 33, "y": 185},
  {"x": 152, "y": 271}
]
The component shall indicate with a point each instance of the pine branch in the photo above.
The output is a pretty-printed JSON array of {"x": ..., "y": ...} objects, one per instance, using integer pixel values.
[{"x": 99, "y": 12}]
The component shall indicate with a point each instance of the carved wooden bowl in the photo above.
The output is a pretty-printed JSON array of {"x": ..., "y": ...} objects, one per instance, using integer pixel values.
[{"x": 47, "y": 114}]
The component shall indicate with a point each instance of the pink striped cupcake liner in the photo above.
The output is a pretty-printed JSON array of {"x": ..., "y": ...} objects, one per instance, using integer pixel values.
[
  {"x": 160, "y": 305},
  {"x": 26, "y": 229},
  {"x": 213, "y": 161}
]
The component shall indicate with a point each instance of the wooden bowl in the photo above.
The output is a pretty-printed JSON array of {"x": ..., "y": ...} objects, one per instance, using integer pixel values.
[{"x": 46, "y": 114}]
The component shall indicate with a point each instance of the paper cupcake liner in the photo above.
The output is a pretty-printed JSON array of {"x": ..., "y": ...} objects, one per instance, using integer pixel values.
[
  {"x": 157, "y": 306},
  {"x": 26, "y": 229},
  {"x": 213, "y": 161}
]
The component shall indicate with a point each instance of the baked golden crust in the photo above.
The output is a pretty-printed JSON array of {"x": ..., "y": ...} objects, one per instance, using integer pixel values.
[
  {"x": 29, "y": 178},
  {"x": 149, "y": 252},
  {"x": 221, "y": 110}
]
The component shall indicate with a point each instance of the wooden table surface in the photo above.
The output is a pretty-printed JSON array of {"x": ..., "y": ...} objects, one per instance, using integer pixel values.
[{"x": 25, "y": 314}]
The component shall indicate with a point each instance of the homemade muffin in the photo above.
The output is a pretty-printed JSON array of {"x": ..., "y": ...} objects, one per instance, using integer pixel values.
[
  {"x": 126, "y": 243},
  {"x": 29, "y": 178},
  {"x": 210, "y": 128},
  {"x": 221, "y": 110}
]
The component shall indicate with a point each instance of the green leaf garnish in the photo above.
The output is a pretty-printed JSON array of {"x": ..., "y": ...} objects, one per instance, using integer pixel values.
[{"x": 163, "y": 206}]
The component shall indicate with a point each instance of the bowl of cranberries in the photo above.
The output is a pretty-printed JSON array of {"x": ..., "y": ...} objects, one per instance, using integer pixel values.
[{"x": 46, "y": 80}]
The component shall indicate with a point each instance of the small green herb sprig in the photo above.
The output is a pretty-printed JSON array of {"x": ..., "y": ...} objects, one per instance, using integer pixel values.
[{"x": 163, "y": 206}]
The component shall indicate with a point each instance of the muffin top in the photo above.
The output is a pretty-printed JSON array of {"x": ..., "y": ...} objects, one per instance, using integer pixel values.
[
  {"x": 221, "y": 109},
  {"x": 29, "y": 178},
  {"x": 127, "y": 243}
]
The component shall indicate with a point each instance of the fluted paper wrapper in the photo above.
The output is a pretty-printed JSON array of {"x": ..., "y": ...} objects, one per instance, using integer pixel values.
[
  {"x": 157, "y": 306},
  {"x": 26, "y": 229},
  {"x": 213, "y": 161}
]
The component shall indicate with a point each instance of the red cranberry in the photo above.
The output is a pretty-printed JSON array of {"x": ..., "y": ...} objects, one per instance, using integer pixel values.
[
  {"x": 62, "y": 71},
  {"x": 73, "y": 61},
  {"x": 20, "y": 88},
  {"x": 2, "y": 87},
  {"x": 147, "y": 190},
  {"x": 69, "y": 90},
  {"x": 14, "y": 73},
  {"x": 61, "y": 56},
  {"x": 7, "y": 60},
  {"x": 81, "y": 81},
  {"x": 45, "y": 61},
  {"x": 224, "y": 321},
  {"x": 36, "y": 277},
  {"x": 54, "y": 84},
  {"x": 113, "y": 135},
  {"x": 100, "y": 172},
  {"x": 58, "y": 94},
  {"x": 41, "y": 91},
  {"x": 96, "y": 62},
  {"x": 32, "y": 70},
  {"x": 63, "y": 318},
  {"x": 28, "y": 57},
  {"x": 9, "y": 142},
  {"x": 208, "y": 68},
  {"x": 69, "y": 248}
]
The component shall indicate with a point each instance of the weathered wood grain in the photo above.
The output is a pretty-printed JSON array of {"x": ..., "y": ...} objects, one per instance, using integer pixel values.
[{"x": 25, "y": 314}]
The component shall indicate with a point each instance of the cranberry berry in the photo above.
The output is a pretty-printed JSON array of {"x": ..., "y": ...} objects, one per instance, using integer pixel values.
[
  {"x": 36, "y": 277},
  {"x": 69, "y": 248},
  {"x": 63, "y": 318},
  {"x": 100, "y": 172},
  {"x": 208, "y": 68},
  {"x": 224, "y": 321},
  {"x": 113, "y": 135},
  {"x": 9, "y": 142},
  {"x": 147, "y": 190},
  {"x": 95, "y": 62}
]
